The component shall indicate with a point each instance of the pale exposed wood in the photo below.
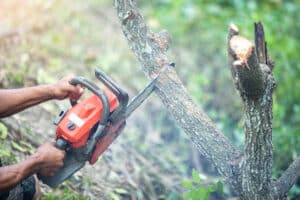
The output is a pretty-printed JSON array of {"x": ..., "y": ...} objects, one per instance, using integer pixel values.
[
  {"x": 245, "y": 67},
  {"x": 242, "y": 49}
]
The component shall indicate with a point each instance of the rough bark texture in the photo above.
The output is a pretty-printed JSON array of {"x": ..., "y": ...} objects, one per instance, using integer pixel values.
[
  {"x": 255, "y": 83},
  {"x": 150, "y": 49},
  {"x": 248, "y": 174}
]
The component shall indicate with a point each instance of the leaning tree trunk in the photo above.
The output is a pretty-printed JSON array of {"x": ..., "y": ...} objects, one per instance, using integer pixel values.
[
  {"x": 150, "y": 49},
  {"x": 247, "y": 172}
]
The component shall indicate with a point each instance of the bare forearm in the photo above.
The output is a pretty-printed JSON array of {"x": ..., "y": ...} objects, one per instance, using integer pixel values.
[
  {"x": 15, "y": 100},
  {"x": 12, "y": 175},
  {"x": 46, "y": 161}
]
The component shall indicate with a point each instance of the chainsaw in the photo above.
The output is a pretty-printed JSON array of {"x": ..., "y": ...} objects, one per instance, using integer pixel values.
[{"x": 87, "y": 129}]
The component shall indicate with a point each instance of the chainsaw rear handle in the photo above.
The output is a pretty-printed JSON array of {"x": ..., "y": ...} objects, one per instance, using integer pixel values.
[{"x": 96, "y": 90}]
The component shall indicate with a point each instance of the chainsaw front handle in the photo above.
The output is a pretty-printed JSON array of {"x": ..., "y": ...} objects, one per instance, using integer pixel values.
[{"x": 121, "y": 95}]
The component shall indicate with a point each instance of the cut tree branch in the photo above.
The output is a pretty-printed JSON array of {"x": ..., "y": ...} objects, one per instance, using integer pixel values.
[
  {"x": 150, "y": 49},
  {"x": 246, "y": 69},
  {"x": 287, "y": 179}
]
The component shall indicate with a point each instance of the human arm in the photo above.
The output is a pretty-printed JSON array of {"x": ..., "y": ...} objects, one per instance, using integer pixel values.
[
  {"x": 46, "y": 161},
  {"x": 15, "y": 100}
]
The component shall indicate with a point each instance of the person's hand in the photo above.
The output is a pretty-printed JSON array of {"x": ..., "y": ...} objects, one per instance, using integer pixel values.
[
  {"x": 51, "y": 159},
  {"x": 63, "y": 89}
]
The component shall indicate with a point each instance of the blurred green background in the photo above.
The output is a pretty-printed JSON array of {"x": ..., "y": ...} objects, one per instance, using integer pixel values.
[{"x": 59, "y": 37}]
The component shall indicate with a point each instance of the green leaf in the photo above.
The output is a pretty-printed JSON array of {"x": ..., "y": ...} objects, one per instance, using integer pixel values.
[
  {"x": 191, "y": 195},
  {"x": 211, "y": 188},
  {"x": 27, "y": 146},
  {"x": 5, "y": 152},
  {"x": 114, "y": 196},
  {"x": 187, "y": 184},
  {"x": 202, "y": 193},
  {"x": 195, "y": 176},
  {"x": 121, "y": 191},
  {"x": 17, "y": 147},
  {"x": 219, "y": 187},
  {"x": 187, "y": 196},
  {"x": 3, "y": 131}
]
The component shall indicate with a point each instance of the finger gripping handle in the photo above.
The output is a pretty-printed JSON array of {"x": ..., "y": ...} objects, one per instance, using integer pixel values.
[{"x": 74, "y": 82}]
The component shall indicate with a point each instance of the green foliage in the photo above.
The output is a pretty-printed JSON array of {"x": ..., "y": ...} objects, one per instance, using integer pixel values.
[
  {"x": 17, "y": 147},
  {"x": 6, "y": 155},
  {"x": 202, "y": 27},
  {"x": 196, "y": 190},
  {"x": 65, "y": 194},
  {"x": 3, "y": 131}
]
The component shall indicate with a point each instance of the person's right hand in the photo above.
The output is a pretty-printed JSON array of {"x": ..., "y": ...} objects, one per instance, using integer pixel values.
[{"x": 51, "y": 159}]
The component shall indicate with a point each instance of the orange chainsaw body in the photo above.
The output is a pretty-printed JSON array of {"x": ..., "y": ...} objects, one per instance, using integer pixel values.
[
  {"x": 77, "y": 123},
  {"x": 87, "y": 129}
]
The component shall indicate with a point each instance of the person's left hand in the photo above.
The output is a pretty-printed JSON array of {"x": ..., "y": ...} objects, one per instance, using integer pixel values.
[{"x": 63, "y": 89}]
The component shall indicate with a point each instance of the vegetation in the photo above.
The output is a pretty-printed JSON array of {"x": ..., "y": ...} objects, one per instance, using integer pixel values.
[
  {"x": 86, "y": 34},
  {"x": 202, "y": 25}
]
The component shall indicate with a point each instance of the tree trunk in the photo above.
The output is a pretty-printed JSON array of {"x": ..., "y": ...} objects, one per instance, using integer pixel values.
[{"x": 255, "y": 83}]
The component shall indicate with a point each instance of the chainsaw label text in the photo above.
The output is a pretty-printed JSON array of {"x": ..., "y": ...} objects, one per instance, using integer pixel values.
[{"x": 76, "y": 120}]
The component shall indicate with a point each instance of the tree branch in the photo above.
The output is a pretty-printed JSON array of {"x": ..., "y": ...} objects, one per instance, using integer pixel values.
[
  {"x": 150, "y": 49},
  {"x": 287, "y": 179},
  {"x": 261, "y": 46}
]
